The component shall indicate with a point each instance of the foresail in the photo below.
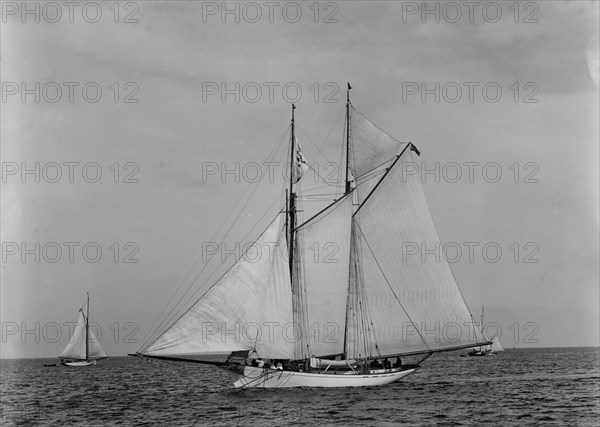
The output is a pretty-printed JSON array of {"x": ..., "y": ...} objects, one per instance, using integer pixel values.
[
  {"x": 76, "y": 347},
  {"x": 325, "y": 243},
  {"x": 249, "y": 308},
  {"x": 403, "y": 281},
  {"x": 371, "y": 147},
  {"x": 496, "y": 347},
  {"x": 95, "y": 350}
]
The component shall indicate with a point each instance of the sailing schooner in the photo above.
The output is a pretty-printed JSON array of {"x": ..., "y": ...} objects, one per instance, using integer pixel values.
[
  {"x": 83, "y": 348},
  {"x": 291, "y": 320}
]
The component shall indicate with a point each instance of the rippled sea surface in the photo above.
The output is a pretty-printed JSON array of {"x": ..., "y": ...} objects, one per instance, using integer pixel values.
[{"x": 552, "y": 386}]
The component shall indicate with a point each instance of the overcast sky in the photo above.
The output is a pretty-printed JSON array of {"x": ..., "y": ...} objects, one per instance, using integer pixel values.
[{"x": 177, "y": 54}]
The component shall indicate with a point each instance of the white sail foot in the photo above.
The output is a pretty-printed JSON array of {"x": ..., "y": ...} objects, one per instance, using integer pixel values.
[{"x": 274, "y": 378}]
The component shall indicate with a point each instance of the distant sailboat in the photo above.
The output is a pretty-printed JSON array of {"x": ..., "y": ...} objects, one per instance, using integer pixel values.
[
  {"x": 488, "y": 349},
  {"x": 291, "y": 320},
  {"x": 83, "y": 348}
]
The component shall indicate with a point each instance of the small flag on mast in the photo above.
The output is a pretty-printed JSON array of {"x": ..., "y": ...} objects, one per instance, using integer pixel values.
[
  {"x": 301, "y": 166},
  {"x": 415, "y": 149}
]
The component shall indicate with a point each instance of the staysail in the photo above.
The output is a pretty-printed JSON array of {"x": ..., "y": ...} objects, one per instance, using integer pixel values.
[
  {"x": 411, "y": 295},
  {"x": 248, "y": 309},
  {"x": 325, "y": 243},
  {"x": 496, "y": 347},
  {"x": 76, "y": 347}
]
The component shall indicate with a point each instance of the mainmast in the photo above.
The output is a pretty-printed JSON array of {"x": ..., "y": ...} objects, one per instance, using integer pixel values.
[
  {"x": 481, "y": 319},
  {"x": 87, "y": 328},
  {"x": 347, "y": 136}
]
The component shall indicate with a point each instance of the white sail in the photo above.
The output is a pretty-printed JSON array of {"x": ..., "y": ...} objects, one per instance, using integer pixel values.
[
  {"x": 366, "y": 183},
  {"x": 371, "y": 147},
  {"x": 404, "y": 282},
  {"x": 325, "y": 243},
  {"x": 76, "y": 347},
  {"x": 496, "y": 347},
  {"x": 249, "y": 308},
  {"x": 95, "y": 350},
  {"x": 377, "y": 322}
]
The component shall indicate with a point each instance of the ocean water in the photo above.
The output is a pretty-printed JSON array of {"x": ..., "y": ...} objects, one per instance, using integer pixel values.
[{"x": 520, "y": 387}]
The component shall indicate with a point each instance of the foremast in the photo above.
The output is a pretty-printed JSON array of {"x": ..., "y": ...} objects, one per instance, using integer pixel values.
[
  {"x": 302, "y": 348},
  {"x": 291, "y": 202}
]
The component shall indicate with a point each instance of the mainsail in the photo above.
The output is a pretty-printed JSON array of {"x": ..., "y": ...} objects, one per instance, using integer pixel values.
[
  {"x": 413, "y": 300},
  {"x": 76, "y": 349}
]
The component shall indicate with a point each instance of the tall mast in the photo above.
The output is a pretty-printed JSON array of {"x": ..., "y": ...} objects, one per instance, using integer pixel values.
[
  {"x": 87, "y": 328},
  {"x": 347, "y": 135},
  {"x": 292, "y": 197},
  {"x": 481, "y": 320}
]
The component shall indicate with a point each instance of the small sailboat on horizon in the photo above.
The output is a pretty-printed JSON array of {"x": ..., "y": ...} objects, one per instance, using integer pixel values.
[
  {"x": 83, "y": 349},
  {"x": 485, "y": 350},
  {"x": 291, "y": 319}
]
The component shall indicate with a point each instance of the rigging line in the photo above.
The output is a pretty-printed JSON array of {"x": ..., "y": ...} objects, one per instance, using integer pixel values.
[
  {"x": 388, "y": 283},
  {"x": 319, "y": 152},
  {"x": 345, "y": 149},
  {"x": 188, "y": 275},
  {"x": 366, "y": 318},
  {"x": 152, "y": 328},
  {"x": 317, "y": 198},
  {"x": 270, "y": 156},
  {"x": 318, "y": 188},
  {"x": 387, "y": 171},
  {"x": 460, "y": 292},
  {"x": 208, "y": 290},
  {"x": 170, "y": 315},
  {"x": 323, "y": 210},
  {"x": 335, "y": 184},
  {"x": 302, "y": 307},
  {"x": 358, "y": 112},
  {"x": 373, "y": 173},
  {"x": 242, "y": 239},
  {"x": 326, "y": 138},
  {"x": 178, "y": 311}
]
